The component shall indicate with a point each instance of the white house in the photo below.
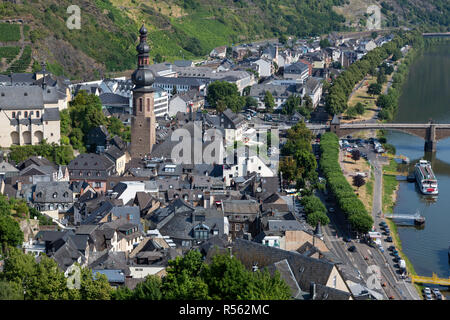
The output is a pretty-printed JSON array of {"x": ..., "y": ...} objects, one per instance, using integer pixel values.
[{"x": 265, "y": 67}]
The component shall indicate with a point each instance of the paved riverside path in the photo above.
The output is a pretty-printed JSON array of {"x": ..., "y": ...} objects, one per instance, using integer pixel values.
[{"x": 403, "y": 289}]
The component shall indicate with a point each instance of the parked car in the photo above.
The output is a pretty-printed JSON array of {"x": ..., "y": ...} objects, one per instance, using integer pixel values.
[
  {"x": 389, "y": 239},
  {"x": 436, "y": 292},
  {"x": 391, "y": 248},
  {"x": 347, "y": 239}
]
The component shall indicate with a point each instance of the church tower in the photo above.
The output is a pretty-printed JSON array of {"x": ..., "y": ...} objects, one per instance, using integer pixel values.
[{"x": 143, "y": 121}]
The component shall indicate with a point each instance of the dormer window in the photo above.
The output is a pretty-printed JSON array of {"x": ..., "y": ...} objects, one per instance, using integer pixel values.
[
  {"x": 66, "y": 194},
  {"x": 25, "y": 94},
  {"x": 55, "y": 194},
  {"x": 13, "y": 114},
  {"x": 201, "y": 231}
]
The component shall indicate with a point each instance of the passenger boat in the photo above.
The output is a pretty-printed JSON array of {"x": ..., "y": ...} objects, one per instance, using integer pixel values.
[{"x": 425, "y": 177}]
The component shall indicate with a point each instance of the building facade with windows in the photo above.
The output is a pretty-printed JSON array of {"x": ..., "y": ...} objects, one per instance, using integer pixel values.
[{"x": 25, "y": 117}]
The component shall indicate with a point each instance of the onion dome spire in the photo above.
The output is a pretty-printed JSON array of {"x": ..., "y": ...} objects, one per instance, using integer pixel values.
[{"x": 143, "y": 76}]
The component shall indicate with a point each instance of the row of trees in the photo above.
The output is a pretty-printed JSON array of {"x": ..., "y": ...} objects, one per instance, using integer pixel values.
[
  {"x": 224, "y": 278},
  {"x": 336, "y": 101},
  {"x": 187, "y": 278},
  {"x": 389, "y": 102},
  {"x": 83, "y": 114},
  {"x": 346, "y": 198},
  {"x": 315, "y": 210},
  {"x": 24, "y": 277},
  {"x": 60, "y": 154}
]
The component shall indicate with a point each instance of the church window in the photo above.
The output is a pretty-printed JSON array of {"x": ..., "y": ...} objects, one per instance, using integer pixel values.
[
  {"x": 148, "y": 105},
  {"x": 140, "y": 104}
]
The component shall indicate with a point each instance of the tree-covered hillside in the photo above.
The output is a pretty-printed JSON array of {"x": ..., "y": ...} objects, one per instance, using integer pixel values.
[{"x": 185, "y": 28}]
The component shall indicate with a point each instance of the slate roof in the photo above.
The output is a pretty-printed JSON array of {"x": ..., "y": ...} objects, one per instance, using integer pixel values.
[
  {"x": 323, "y": 292},
  {"x": 67, "y": 255},
  {"x": 99, "y": 213},
  {"x": 181, "y": 225},
  {"x": 132, "y": 214},
  {"x": 305, "y": 269},
  {"x": 37, "y": 160},
  {"x": 90, "y": 166},
  {"x": 191, "y": 82},
  {"x": 49, "y": 192},
  {"x": 235, "y": 118},
  {"x": 240, "y": 206},
  {"x": 114, "y": 153},
  {"x": 51, "y": 114},
  {"x": 296, "y": 68},
  {"x": 112, "y": 99},
  {"x": 21, "y": 97},
  {"x": 287, "y": 275},
  {"x": 114, "y": 276},
  {"x": 165, "y": 148}
]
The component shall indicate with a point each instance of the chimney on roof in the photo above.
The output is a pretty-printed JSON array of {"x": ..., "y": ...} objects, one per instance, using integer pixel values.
[{"x": 128, "y": 216}]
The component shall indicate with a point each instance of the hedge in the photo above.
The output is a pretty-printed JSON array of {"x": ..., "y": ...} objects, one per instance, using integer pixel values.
[{"x": 348, "y": 202}]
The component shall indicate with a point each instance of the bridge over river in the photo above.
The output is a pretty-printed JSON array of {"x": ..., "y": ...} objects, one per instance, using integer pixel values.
[{"x": 430, "y": 132}]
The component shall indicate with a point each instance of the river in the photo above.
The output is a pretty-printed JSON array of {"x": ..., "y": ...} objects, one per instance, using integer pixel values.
[{"x": 426, "y": 94}]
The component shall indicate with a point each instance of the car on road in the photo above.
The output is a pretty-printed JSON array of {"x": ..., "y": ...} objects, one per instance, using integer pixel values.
[
  {"x": 426, "y": 290},
  {"x": 428, "y": 296},
  {"x": 437, "y": 293},
  {"x": 352, "y": 249},
  {"x": 389, "y": 239},
  {"x": 331, "y": 210}
]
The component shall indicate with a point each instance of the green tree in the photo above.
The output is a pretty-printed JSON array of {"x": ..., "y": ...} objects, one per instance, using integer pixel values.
[
  {"x": 10, "y": 233},
  {"x": 325, "y": 43},
  {"x": 358, "y": 181},
  {"x": 158, "y": 58},
  {"x": 228, "y": 279},
  {"x": 220, "y": 90},
  {"x": 288, "y": 167},
  {"x": 221, "y": 106},
  {"x": 10, "y": 291},
  {"x": 315, "y": 217},
  {"x": 359, "y": 108},
  {"x": 269, "y": 101},
  {"x": 283, "y": 39},
  {"x": 94, "y": 288},
  {"x": 150, "y": 289},
  {"x": 291, "y": 105},
  {"x": 182, "y": 281},
  {"x": 351, "y": 112},
  {"x": 374, "y": 88},
  {"x": 250, "y": 102}
]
